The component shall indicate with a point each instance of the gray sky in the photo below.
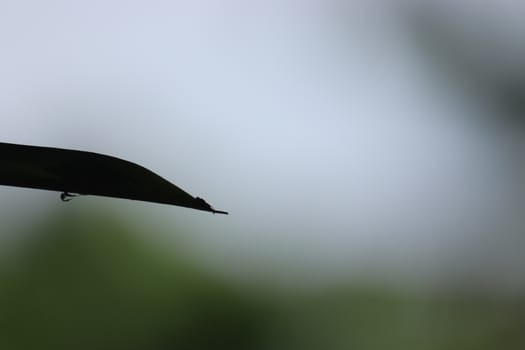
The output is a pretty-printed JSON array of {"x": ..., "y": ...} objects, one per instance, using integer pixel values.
[{"x": 315, "y": 123}]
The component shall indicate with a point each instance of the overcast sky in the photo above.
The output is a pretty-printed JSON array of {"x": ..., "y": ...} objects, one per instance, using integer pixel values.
[{"x": 317, "y": 124}]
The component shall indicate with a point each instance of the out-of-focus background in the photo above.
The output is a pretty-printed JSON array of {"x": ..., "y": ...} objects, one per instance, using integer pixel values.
[{"x": 370, "y": 154}]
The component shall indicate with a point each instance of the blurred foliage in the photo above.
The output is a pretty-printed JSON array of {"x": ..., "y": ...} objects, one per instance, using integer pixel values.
[
  {"x": 89, "y": 282},
  {"x": 463, "y": 59}
]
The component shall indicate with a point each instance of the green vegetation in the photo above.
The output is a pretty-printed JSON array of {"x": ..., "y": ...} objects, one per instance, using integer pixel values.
[{"x": 93, "y": 283}]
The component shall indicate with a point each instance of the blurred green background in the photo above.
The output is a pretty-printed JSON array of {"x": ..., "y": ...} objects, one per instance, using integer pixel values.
[
  {"x": 370, "y": 153},
  {"x": 88, "y": 280}
]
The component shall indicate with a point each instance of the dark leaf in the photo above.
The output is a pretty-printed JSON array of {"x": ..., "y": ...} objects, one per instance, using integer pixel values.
[{"x": 88, "y": 173}]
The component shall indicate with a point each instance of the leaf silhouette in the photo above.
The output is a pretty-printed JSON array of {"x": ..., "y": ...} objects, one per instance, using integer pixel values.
[{"x": 88, "y": 173}]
